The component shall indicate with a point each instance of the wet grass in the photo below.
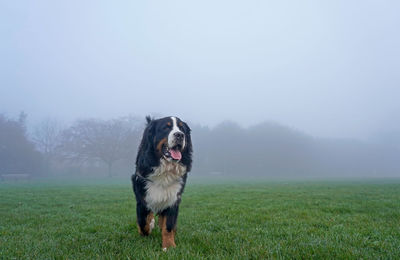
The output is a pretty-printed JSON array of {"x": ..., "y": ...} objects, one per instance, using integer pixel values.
[{"x": 236, "y": 220}]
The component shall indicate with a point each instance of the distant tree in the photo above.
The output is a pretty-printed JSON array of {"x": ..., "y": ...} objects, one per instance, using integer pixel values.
[
  {"x": 105, "y": 140},
  {"x": 47, "y": 137},
  {"x": 17, "y": 152},
  {"x": 271, "y": 149}
]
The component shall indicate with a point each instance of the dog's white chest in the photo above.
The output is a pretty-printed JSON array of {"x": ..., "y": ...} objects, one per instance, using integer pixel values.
[{"x": 164, "y": 185}]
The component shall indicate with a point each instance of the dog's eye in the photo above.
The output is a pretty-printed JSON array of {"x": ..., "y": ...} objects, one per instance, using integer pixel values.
[{"x": 167, "y": 126}]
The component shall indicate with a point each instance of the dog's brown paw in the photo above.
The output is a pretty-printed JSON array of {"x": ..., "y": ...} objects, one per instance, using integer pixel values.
[
  {"x": 168, "y": 240},
  {"x": 165, "y": 248}
]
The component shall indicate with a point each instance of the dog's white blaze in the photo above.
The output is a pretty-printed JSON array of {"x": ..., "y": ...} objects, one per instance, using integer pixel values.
[
  {"x": 171, "y": 136},
  {"x": 166, "y": 182}
]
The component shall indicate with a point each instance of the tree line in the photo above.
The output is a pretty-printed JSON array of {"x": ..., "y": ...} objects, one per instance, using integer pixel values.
[
  {"x": 92, "y": 147},
  {"x": 97, "y": 147}
]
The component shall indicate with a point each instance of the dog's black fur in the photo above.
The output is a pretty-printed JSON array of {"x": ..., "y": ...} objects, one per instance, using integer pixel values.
[{"x": 148, "y": 159}]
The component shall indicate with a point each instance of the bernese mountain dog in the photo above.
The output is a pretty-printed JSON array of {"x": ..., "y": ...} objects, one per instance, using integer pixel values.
[{"x": 162, "y": 163}]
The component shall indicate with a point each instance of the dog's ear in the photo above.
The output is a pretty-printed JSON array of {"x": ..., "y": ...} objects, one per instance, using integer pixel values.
[
  {"x": 187, "y": 152},
  {"x": 186, "y": 128},
  {"x": 148, "y": 119},
  {"x": 148, "y": 133},
  {"x": 145, "y": 158}
]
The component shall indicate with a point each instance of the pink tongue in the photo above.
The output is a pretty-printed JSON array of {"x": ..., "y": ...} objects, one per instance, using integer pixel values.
[{"x": 175, "y": 154}]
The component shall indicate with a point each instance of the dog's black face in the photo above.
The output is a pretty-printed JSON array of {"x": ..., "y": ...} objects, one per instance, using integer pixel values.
[{"x": 165, "y": 138}]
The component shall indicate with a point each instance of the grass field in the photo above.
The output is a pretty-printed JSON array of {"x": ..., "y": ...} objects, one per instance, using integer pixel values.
[{"x": 236, "y": 220}]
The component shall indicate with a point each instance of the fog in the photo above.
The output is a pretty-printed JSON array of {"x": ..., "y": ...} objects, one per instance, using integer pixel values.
[{"x": 289, "y": 88}]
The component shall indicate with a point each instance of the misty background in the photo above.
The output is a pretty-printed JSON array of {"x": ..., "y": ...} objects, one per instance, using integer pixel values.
[{"x": 269, "y": 88}]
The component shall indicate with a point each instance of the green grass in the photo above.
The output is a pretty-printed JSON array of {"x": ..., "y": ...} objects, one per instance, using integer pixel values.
[{"x": 324, "y": 220}]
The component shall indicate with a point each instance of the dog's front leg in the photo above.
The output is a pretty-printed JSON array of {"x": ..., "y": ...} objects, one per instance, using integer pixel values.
[
  {"x": 145, "y": 220},
  {"x": 167, "y": 222}
]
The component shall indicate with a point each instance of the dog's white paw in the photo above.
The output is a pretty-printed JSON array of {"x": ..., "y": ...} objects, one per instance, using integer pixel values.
[
  {"x": 164, "y": 249},
  {"x": 151, "y": 224}
]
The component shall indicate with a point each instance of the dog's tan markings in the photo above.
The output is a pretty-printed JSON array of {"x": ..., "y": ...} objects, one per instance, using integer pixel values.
[
  {"x": 149, "y": 225},
  {"x": 180, "y": 124},
  {"x": 168, "y": 238},
  {"x": 160, "y": 144},
  {"x": 169, "y": 123}
]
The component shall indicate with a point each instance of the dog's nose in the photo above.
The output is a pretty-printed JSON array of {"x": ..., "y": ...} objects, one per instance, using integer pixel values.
[{"x": 178, "y": 135}]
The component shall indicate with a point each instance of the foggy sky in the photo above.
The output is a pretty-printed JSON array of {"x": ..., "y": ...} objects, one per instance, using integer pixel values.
[{"x": 329, "y": 68}]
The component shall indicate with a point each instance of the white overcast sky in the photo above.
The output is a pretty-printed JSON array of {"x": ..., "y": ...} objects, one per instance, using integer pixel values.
[{"x": 328, "y": 68}]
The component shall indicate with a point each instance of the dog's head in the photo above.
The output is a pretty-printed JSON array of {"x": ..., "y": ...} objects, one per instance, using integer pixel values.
[
  {"x": 165, "y": 138},
  {"x": 168, "y": 136}
]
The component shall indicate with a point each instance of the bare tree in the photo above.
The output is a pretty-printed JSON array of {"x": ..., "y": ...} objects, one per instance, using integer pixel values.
[
  {"x": 47, "y": 137},
  {"x": 104, "y": 140}
]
